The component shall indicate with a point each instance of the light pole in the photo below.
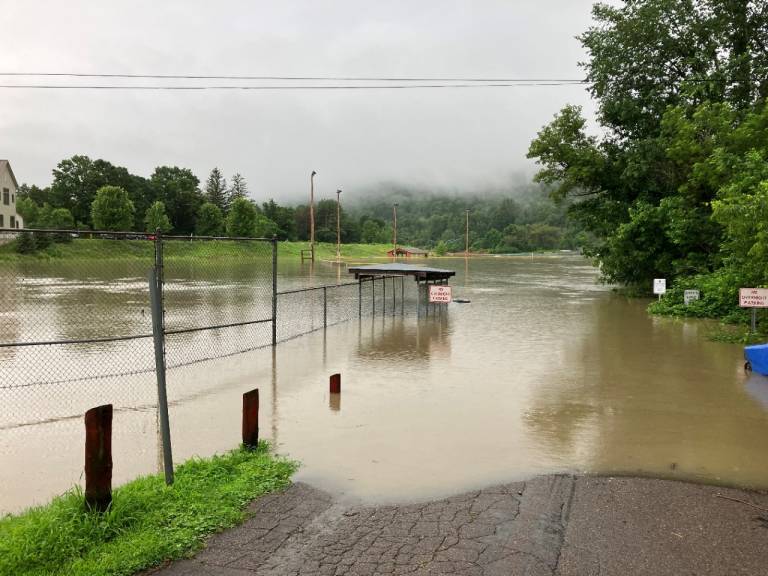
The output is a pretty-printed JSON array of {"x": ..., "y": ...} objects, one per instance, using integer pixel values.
[
  {"x": 338, "y": 225},
  {"x": 394, "y": 220},
  {"x": 312, "y": 214},
  {"x": 466, "y": 236}
]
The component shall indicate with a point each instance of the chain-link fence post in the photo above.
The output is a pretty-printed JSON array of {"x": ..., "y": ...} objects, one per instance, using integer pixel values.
[
  {"x": 158, "y": 332},
  {"x": 325, "y": 306},
  {"x": 274, "y": 290}
]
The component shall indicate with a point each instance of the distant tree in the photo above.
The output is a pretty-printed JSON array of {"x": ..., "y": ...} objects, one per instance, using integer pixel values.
[
  {"x": 216, "y": 189},
  {"x": 283, "y": 217},
  {"x": 241, "y": 219},
  {"x": 38, "y": 195},
  {"x": 210, "y": 221},
  {"x": 239, "y": 189},
  {"x": 441, "y": 248},
  {"x": 112, "y": 209},
  {"x": 155, "y": 217},
  {"x": 177, "y": 189},
  {"x": 28, "y": 210},
  {"x": 371, "y": 232},
  {"x": 265, "y": 228},
  {"x": 77, "y": 179}
]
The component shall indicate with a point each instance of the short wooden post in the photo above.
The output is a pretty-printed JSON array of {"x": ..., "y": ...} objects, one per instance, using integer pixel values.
[
  {"x": 98, "y": 457},
  {"x": 251, "y": 419},
  {"x": 335, "y": 383}
]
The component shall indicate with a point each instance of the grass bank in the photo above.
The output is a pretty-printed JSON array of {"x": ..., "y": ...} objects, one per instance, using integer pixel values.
[
  {"x": 148, "y": 522},
  {"x": 99, "y": 249}
]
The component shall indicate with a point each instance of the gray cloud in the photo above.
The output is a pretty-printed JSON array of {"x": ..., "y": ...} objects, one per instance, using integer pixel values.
[{"x": 447, "y": 138}]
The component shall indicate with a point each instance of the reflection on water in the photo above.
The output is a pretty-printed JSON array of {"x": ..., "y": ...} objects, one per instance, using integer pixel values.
[{"x": 544, "y": 371}]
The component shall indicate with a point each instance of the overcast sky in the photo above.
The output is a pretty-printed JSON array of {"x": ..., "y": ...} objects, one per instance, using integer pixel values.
[{"x": 459, "y": 138}]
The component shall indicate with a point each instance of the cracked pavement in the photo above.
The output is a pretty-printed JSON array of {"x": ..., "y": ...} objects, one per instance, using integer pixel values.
[{"x": 548, "y": 526}]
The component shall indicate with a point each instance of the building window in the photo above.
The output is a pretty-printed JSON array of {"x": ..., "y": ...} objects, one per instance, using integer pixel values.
[
  {"x": 6, "y": 196},
  {"x": 2, "y": 224},
  {"x": 13, "y": 222}
]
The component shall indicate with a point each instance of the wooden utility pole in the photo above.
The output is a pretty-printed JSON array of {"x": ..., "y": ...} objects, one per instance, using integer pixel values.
[
  {"x": 394, "y": 219},
  {"x": 466, "y": 236},
  {"x": 338, "y": 225},
  {"x": 312, "y": 214}
]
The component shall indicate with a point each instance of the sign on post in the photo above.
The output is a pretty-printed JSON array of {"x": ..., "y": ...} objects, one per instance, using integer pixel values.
[
  {"x": 690, "y": 296},
  {"x": 659, "y": 286},
  {"x": 753, "y": 297},
  {"x": 439, "y": 294}
]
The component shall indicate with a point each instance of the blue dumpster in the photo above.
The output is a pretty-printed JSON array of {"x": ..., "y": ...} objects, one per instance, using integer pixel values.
[{"x": 757, "y": 358}]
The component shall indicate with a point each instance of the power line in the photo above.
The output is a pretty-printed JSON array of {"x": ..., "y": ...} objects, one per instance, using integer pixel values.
[
  {"x": 287, "y": 78},
  {"x": 288, "y": 87}
]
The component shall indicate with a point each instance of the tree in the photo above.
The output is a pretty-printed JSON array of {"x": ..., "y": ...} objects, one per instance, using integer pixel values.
[
  {"x": 239, "y": 189},
  {"x": 177, "y": 189},
  {"x": 28, "y": 210},
  {"x": 112, "y": 209},
  {"x": 265, "y": 228},
  {"x": 371, "y": 231},
  {"x": 76, "y": 180},
  {"x": 283, "y": 217},
  {"x": 155, "y": 218},
  {"x": 659, "y": 70},
  {"x": 210, "y": 221},
  {"x": 38, "y": 195},
  {"x": 241, "y": 219},
  {"x": 216, "y": 189}
]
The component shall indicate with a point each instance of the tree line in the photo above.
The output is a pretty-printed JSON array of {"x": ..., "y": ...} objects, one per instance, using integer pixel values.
[
  {"x": 95, "y": 194},
  {"x": 676, "y": 186}
]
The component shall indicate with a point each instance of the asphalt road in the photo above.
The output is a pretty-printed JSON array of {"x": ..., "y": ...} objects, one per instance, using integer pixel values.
[{"x": 552, "y": 525}]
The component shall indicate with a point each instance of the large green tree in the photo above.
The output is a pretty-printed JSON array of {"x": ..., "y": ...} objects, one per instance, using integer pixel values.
[
  {"x": 112, "y": 209},
  {"x": 653, "y": 66},
  {"x": 177, "y": 188},
  {"x": 210, "y": 221},
  {"x": 155, "y": 218},
  {"x": 241, "y": 219},
  {"x": 216, "y": 189}
]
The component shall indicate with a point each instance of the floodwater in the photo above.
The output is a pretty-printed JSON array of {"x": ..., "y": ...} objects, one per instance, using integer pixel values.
[{"x": 544, "y": 371}]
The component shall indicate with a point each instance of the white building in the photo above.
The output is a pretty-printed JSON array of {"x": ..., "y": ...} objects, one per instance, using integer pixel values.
[{"x": 8, "y": 190}]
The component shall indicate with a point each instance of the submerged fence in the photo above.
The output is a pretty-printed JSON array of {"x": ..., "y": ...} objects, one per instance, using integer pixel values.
[{"x": 77, "y": 331}]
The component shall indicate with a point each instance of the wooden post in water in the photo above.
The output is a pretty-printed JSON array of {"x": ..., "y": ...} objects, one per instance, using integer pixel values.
[
  {"x": 335, "y": 384},
  {"x": 251, "y": 419},
  {"x": 98, "y": 457}
]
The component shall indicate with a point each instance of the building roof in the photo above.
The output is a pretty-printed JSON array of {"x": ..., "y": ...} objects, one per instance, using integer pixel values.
[
  {"x": 6, "y": 163},
  {"x": 418, "y": 272},
  {"x": 410, "y": 249}
]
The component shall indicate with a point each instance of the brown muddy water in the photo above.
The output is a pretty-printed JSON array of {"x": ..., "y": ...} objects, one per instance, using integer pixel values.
[{"x": 544, "y": 371}]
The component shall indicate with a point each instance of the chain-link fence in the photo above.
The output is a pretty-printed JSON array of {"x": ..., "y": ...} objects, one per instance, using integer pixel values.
[{"x": 76, "y": 326}]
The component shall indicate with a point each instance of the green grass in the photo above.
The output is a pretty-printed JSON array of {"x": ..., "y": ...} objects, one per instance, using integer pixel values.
[
  {"x": 98, "y": 249},
  {"x": 148, "y": 522}
]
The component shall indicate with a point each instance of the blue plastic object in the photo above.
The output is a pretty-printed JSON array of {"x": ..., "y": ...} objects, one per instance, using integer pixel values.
[{"x": 757, "y": 356}]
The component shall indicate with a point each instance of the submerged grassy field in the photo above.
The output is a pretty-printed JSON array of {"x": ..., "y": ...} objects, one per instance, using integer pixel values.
[
  {"x": 100, "y": 249},
  {"x": 148, "y": 523}
]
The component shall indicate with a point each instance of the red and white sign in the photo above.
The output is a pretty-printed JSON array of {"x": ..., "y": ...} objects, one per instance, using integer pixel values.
[
  {"x": 753, "y": 297},
  {"x": 439, "y": 294}
]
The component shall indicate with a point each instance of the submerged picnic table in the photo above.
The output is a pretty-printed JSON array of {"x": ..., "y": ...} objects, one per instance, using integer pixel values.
[{"x": 419, "y": 273}]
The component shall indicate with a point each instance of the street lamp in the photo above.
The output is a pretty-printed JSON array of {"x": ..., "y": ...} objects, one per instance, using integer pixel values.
[
  {"x": 394, "y": 220},
  {"x": 312, "y": 214},
  {"x": 466, "y": 236},
  {"x": 338, "y": 225}
]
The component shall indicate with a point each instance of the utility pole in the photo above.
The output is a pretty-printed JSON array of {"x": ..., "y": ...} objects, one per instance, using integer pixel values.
[
  {"x": 312, "y": 214},
  {"x": 466, "y": 237},
  {"x": 338, "y": 225},
  {"x": 394, "y": 219}
]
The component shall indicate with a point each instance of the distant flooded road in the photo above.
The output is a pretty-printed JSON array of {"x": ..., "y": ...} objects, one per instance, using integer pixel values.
[{"x": 545, "y": 370}]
